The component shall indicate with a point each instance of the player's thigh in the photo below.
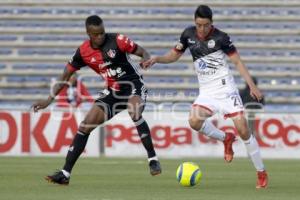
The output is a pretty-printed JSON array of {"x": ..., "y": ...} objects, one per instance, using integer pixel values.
[
  {"x": 241, "y": 125},
  {"x": 135, "y": 106},
  {"x": 232, "y": 105},
  {"x": 137, "y": 99},
  {"x": 93, "y": 118},
  {"x": 197, "y": 116}
]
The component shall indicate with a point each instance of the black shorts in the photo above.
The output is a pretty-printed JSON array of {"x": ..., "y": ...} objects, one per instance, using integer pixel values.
[{"x": 113, "y": 102}]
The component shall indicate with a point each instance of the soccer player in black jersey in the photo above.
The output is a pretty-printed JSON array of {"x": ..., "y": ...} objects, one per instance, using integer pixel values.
[
  {"x": 107, "y": 55},
  {"x": 218, "y": 93}
]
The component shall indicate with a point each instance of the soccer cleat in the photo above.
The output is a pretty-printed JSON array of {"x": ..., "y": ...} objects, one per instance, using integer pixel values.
[
  {"x": 155, "y": 168},
  {"x": 58, "y": 178},
  {"x": 262, "y": 180},
  {"x": 228, "y": 151}
]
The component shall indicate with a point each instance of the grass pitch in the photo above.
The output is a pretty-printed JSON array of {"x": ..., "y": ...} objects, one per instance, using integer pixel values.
[{"x": 22, "y": 178}]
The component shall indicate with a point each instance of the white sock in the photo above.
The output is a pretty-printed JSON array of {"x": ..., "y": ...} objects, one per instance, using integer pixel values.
[
  {"x": 153, "y": 158},
  {"x": 254, "y": 153},
  {"x": 211, "y": 131},
  {"x": 67, "y": 174}
]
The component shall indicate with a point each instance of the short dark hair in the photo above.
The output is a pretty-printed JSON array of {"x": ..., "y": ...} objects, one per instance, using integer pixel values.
[
  {"x": 93, "y": 20},
  {"x": 203, "y": 11}
]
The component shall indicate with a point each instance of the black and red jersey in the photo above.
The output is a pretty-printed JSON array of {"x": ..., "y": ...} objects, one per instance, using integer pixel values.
[{"x": 110, "y": 60}]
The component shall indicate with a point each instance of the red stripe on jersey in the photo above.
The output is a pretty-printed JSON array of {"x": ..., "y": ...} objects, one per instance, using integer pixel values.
[
  {"x": 206, "y": 108},
  {"x": 230, "y": 115},
  {"x": 125, "y": 44}
]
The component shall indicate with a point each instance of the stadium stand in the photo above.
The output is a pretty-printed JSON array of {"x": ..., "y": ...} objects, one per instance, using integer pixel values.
[{"x": 38, "y": 37}]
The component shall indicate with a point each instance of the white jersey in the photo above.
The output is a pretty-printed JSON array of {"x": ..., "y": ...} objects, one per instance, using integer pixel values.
[
  {"x": 209, "y": 56},
  {"x": 214, "y": 75}
]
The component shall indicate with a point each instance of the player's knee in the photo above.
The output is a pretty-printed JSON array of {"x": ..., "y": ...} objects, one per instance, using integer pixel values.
[
  {"x": 86, "y": 128},
  {"x": 244, "y": 133},
  {"x": 135, "y": 116},
  {"x": 195, "y": 124}
]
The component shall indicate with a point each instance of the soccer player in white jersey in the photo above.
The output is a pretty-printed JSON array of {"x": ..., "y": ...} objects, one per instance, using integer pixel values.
[{"x": 218, "y": 92}]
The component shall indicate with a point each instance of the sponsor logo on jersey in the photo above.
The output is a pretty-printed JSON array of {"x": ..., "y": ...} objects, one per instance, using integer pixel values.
[
  {"x": 201, "y": 64},
  {"x": 111, "y": 53},
  {"x": 113, "y": 72},
  {"x": 102, "y": 65},
  {"x": 191, "y": 41},
  {"x": 211, "y": 44}
]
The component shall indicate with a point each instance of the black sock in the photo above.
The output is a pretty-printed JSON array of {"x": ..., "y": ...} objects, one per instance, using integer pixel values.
[
  {"x": 144, "y": 133},
  {"x": 77, "y": 147}
]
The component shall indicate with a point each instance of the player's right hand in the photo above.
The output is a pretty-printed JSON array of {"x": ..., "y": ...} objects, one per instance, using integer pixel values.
[
  {"x": 41, "y": 104},
  {"x": 148, "y": 63}
]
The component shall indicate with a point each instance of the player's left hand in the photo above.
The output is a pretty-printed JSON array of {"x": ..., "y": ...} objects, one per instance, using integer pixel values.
[{"x": 256, "y": 93}]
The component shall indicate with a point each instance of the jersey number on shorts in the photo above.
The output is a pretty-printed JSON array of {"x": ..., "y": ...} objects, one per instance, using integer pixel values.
[{"x": 236, "y": 100}]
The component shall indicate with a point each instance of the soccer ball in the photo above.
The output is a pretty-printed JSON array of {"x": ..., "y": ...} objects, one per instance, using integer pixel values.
[{"x": 188, "y": 174}]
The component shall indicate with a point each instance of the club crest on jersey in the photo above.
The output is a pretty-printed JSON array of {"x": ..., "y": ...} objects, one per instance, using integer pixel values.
[
  {"x": 211, "y": 44},
  {"x": 111, "y": 53}
]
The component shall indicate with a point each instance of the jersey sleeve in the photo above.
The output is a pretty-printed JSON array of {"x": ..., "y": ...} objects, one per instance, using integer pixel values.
[
  {"x": 227, "y": 45},
  {"x": 125, "y": 44},
  {"x": 182, "y": 44},
  {"x": 76, "y": 62}
]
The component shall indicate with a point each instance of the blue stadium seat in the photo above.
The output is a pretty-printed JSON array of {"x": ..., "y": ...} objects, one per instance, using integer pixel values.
[
  {"x": 54, "y": 38},
  {"x": 48, "y": 51},
  {"x": 173, "y": 66},
  {"x": 162, "y": 92},
  {"x": 2, "y": 66},
  {"x": 4, "y": 10},
  {"x": 5, "y": 51},
  {"x": 164, "y": 79},
  {"x": 191, "y": 92},
  {"x": 8, "y": 37},
  {"x": 20, "y": 78},
  {"x": 27, "y": 91},
  {"x": 91, "y": 79}
]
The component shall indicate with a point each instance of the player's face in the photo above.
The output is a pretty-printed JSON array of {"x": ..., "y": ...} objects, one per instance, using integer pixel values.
[
  {"x": 203, "y": 26},
  {"x": 96, "y": 34}
]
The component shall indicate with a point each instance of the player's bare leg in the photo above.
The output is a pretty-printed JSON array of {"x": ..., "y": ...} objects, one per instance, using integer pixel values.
[
  {"x": 198, "y": 121},
  {"x": 135, "y": 109},
  {"x": 94, "y": 117},
  {"x": 253, "y": 150}
]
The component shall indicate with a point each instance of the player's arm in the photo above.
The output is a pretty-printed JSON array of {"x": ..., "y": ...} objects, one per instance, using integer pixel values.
[
  {"x": 170, "y": 57},
  {"x": 62, "y": 81},
  {"x": 141, "y": 52},
  {"x": 75, "y": 63},
  {"x": 237, "y": 61}
]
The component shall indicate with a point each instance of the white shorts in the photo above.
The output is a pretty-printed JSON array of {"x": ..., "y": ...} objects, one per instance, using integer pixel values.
[{"x": 229, "y": 106}]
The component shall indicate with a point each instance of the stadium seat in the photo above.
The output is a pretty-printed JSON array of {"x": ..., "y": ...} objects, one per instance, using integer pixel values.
[{"x": 28, "y": 47}]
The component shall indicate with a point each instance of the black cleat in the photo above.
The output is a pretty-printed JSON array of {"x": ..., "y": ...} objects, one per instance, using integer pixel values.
[
  {"x": 154, "y": 166},
  {"x": 58, "y": 178}
]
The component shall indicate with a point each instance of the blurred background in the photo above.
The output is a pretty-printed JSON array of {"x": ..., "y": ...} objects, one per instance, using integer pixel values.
[{"x": 37, "y": 38}]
